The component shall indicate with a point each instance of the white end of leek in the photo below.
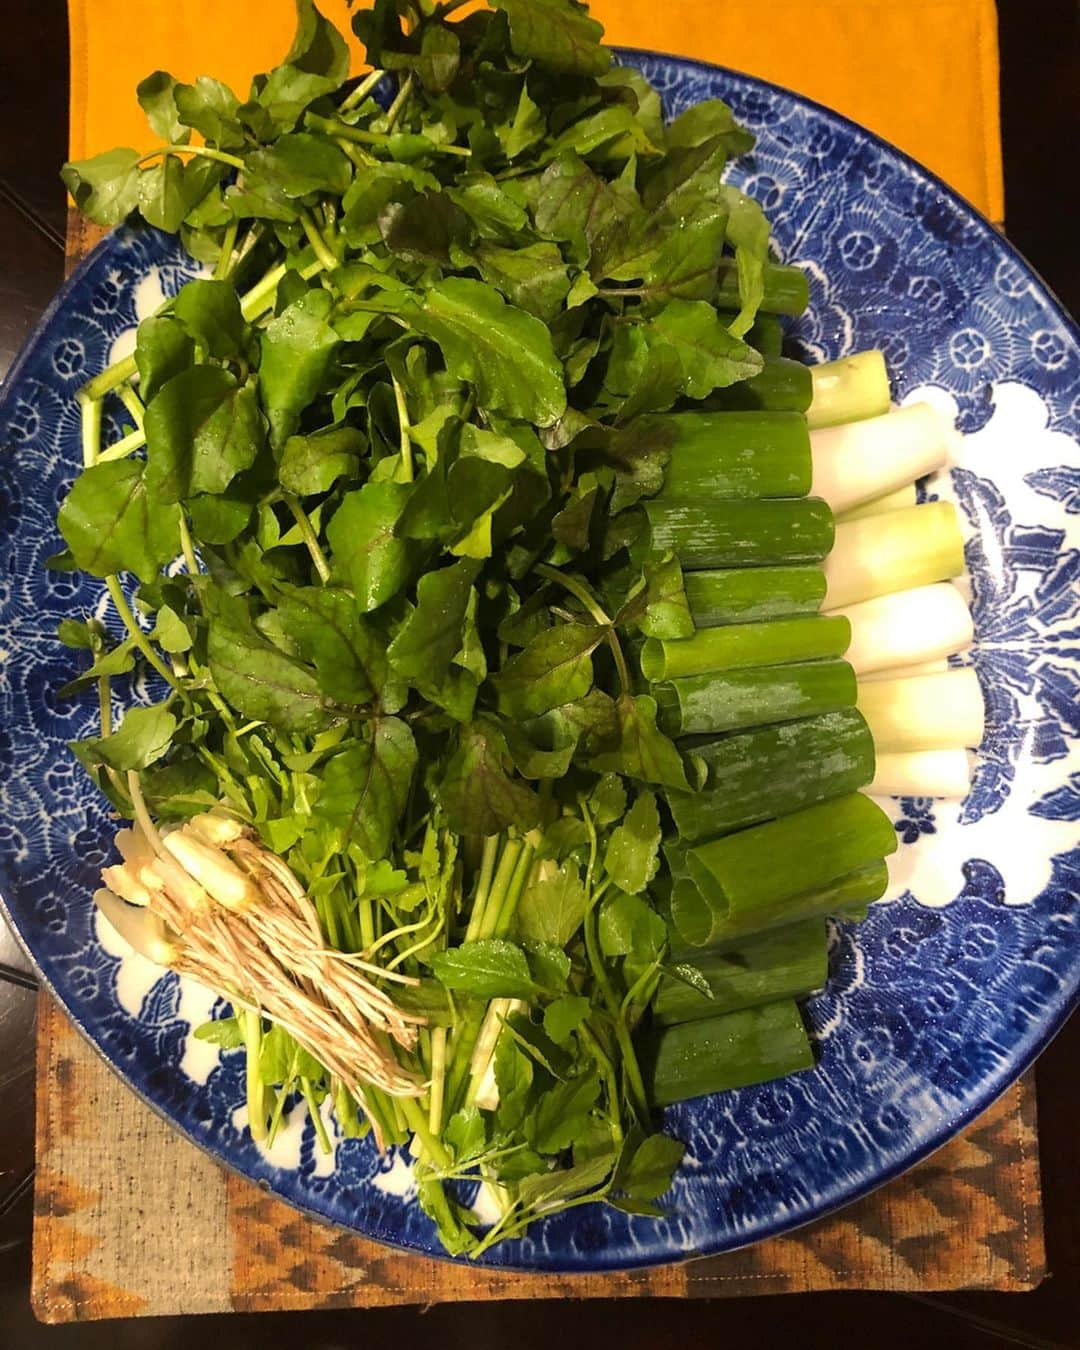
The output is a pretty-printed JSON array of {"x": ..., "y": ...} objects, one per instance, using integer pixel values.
[
  {"x": 922, "y": 773},
  {"x": 880, "y": 555},
  {"x": 892, "y": 501},
  {"x": 906, "y": 672},
  {"x": 925, "y": 712},
  {"x": 857, "y": 462},
  {"x": 143, "y": 930},
  {"x": 908, "y": 627}
]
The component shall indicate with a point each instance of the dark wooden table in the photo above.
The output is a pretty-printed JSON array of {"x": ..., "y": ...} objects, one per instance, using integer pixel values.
[{"x": 1040, "y": 73}]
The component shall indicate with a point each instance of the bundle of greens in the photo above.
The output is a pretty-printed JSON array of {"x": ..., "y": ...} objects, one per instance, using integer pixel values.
[{"x": 478, "y": 370}]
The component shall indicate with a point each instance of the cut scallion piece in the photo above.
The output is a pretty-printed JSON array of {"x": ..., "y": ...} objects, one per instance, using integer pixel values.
[
  {"x": 701, "y": 705},
  {"x": 752, "y": 594},
  {"x": 766, "y": 335},
  {"x": 859, "y": 461},
  {"x": 849, "y": 389},
  {"x": 908, "y": 627},
  {"x": 892, "y": 501},
  {"x": 784, "y": 963},
  {"x": 738, "y": 645},
  {"x": 738, "y": 455},
  {"x": 924, "y": 712},
  {"x": 759, "y": 867},
  {"x": 772, "y": 771},
  {"x": 701, "y": 923},
  {"x": 717, "y": 1054},
  {"x": 922, "y": 773},
  {"x": 706, "y": 534},
  {"x": 893, "y": 552}
]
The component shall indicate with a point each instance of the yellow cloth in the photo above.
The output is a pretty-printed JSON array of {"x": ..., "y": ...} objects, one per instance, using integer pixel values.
[{"x": 921, "y": 73}]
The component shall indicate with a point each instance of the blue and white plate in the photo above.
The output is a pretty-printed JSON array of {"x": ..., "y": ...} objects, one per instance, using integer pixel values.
[{"x": 935, "y": 1003}]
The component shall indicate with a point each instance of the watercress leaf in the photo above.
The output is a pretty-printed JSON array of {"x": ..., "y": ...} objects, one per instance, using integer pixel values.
[
  {"x": 210, "y": 311},
  {"x": 202, "y": 428},
  {"x": 557, "y": 34},
  {"x": 223, "y": 1031},
  {"x": 534, "y": 761},
  {"x": 366, "y": 785},
  {"x": 506, "y": 353},
  {"x": 218, "y": 518},
  {"x": 424, "y": 228},
  {"x": 514, "y": 1079},
  {"x": 329, "y": 633},
  {"x": 639, "y": 452},
  {"x": 162, "y": 349},
  {"x": 562, "y": 1112},
  {"x": 143, "y": 737},
  {"x": 571, "y": 525},
  {"x": 576, "y": 205},
  {"x": 524, "y": 130},
  {"x": 552, "y": 906},
  {"x": 105, "y": 187},
  {"x": 703, "y": 121},
  {"x": 556, "y": 667},
  {"x": 440, "y": 57},
  {"x": 370, "y": 193},
  {"x": 83, "y": 635},
  {"x": 545, "y": 1189},
  {"x": 493, "y": 212},
  {"x": 156, "y": 98},
  {"x": 657, "y": 605},
  {"x": 632, "y": 856},
  {"x": 365, "y": 551},
  {"x": 651, "y": 1167},
  {"x": 118, "y": 660},
  {"x": 210, "y": 108},
  {"x": 549, "y": 966},
  {"x": 264, "y": 684},
  {"x": 628, "y": 926},
  {"x": 169, "y": 189},
  {"x": 298, "y": 349},
  {"x": 170, "y": 632},
  {"x": 112, "y": 524},
  {"x": 317, "y": 46},
  {"x": 489, "y": 968},
  {"x": 534, "y": 278},
  {"x": 685, "y": 267},
  {"x": 659, "y": 385},
  {"x": 748, "y": 232},
  {"x": 314, "y": 463},
  {"x": 465, "y": 1134},
  {"x": 299, "y": 162},
  {"x": 564, "y": 1015},
  {"x": 433, "y": 633},
  {"x": 589, "y": 722},
  {"x": 640, "y": 750},
  {"x": 608, "y": 800},
  {"x": 477, "y": 792},
  {"x": 711, "y": 358},
  {"x": 692, "y": 976}
]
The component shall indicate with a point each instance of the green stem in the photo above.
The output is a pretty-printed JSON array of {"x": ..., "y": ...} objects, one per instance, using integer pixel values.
[
  {"x": 438, "y": 1079},
  {"x": 483, "y": 886},
  {"x": 186, "y": 545},
  {"x": 632, "y": 1070},
  {"x": 611, "y": 1086},
  {"x": 401, "y": 98},
  {"x": 330, "y": 126},
  {"x": 133, "y": 403},
  {"x": 105, "y": 704},
  {"x": 251, "y": 1025},
  {"x": 200, "y": 151},
  {"x": 505, "y": 917},
  {"x": 500, "y": 888},
  {"x": 90, "y": 408},
  {"x": 307, "y": 1088},
  {"x": 433, "y": 1148},
  {"x": 108, "y": 379},
  {"x": 228, "y": 243},
  {"x": 127, "y": 445},
  {"x": 403, "y": 427},
  {"x": 112, "y": 585},
  {"x": 357, "y": 95},
  {"x": 311, "y": 539},
  {"x": 318, "y": 244}
]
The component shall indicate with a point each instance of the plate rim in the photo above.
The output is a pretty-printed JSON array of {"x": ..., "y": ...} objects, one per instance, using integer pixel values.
[{"x": 953, "y": 1124}]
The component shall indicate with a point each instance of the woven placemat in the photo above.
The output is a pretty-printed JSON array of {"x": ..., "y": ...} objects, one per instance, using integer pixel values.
[{"x": 132, "y": 1220}]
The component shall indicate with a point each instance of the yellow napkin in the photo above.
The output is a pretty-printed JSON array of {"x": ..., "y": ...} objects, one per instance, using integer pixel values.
[{"x": 921, "y": 73}]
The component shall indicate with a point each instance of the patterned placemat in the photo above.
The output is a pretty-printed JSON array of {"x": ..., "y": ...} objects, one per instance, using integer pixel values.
[{"x": 132, "y": 1220}]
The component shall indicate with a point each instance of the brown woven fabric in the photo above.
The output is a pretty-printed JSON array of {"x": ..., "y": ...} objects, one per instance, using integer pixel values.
[{"x": 132, "y": 1220}]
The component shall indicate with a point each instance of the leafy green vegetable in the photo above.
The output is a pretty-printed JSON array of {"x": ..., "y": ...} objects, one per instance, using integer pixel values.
[
  {"x": 112, "y": 523},
  {"x": 202, "y": 428},
  {"x": 366, "y": 786}
]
